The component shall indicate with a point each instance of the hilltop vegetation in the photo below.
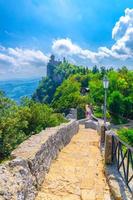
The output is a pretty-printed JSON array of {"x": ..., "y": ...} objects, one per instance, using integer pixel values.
[
  {"x": 48, "y": 85},
  {"x": 66, "y": 89}
]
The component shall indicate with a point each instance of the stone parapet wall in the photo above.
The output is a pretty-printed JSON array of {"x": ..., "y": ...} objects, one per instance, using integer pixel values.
[
  {"x": 82, "y": 121},
  {"x": 21, "y": 177}
]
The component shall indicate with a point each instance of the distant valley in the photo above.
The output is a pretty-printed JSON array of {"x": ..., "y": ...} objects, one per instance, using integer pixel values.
[{"x": 16, "y": 89}]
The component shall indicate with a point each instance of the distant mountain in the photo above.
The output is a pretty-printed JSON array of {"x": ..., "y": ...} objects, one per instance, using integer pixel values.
[{"x": 15, "y": 89}]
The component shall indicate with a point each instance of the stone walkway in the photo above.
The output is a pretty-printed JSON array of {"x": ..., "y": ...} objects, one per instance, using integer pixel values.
[{"x": 77, "y": 174}]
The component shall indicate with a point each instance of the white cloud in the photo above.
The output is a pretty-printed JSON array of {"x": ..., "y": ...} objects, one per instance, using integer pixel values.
[
  {"x": 122, "y": 49},
  {"x": 65, "y": 47},
  {"x": 123, "y": 34},
  {"x": 124, "y": 23},
  {"x": 18, "y": 63}
]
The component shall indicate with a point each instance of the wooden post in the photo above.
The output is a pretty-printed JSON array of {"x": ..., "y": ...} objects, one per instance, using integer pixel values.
[
  {"x": 102, "y": 134},
  {"x": 108, "y": 147}
]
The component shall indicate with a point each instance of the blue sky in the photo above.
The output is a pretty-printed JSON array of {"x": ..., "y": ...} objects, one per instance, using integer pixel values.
[{"x": 86, "y": 32}]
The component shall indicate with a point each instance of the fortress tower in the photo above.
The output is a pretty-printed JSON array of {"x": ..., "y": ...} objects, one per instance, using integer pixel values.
[{"x": 51, "y": 66}]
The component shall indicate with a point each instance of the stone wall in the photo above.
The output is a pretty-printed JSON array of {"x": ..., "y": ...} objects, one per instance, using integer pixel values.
[
  {"x": 21, "y": 177},
  {"x": 72, "y": 114}
]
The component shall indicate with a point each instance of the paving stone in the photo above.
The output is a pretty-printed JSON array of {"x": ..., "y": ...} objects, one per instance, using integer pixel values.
[
  {"x": 77, "y": 173},
  {"x": 88, "y": 195}
]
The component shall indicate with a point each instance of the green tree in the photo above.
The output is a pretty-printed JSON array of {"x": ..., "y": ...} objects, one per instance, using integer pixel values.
[
  {"x": 116, "y": 106},
  {"x": 68, "y": 96},
  {"x": 128, "y": 107},
  {"x": 103, "y": 70},
  {"x": 18, "y": 122},
  {"x": 95, "y": 70}
]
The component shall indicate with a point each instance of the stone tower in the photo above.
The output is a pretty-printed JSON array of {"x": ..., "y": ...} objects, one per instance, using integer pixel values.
[{"x": 51, "y": 66}]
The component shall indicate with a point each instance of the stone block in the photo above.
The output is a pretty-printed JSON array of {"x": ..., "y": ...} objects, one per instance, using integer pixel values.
[
  {"x": 91, "y": 124},
  {"x": 72, "y": 114},
  {"x": 16, "y": 181}
]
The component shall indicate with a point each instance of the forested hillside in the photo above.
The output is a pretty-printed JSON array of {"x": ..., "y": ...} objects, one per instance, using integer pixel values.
[
  {"x": 67, "y": 89},
  {"x": 49, "y": 84}
]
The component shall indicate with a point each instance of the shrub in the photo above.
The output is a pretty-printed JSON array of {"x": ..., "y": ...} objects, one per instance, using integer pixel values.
[
  {"x": 13, "y": 129},
  {"x": 18, "y": 122},
  {"x": 126, "y": 135}
]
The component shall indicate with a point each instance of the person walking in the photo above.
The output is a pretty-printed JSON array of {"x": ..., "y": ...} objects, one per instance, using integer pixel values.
[{"x": 88, "y": 112}]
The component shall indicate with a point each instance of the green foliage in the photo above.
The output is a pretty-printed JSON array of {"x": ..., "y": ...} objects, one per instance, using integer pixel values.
[
  {"x": 95, "y": 70},
  {"x": 120, "y": 107},
  {"x": 98, "y": 112},
  {"x": 12, "y": 125},
  {"x": 68, "y": 95},
  {"x": 18, "y": 122},
  {"x": 45, "y": 90},
  {"x": 96, "y": 94},
  {"x": 81, "y": 111},
  {"x": 67, "y": 88},
  {"x": 47, "y": 87},
  {"x": 126, "y": 135},
  {"x": 103, "y": 71},
  {"x": 42, "y": 116},
  {"x": 119, "y": 94},
  {"x": 116, "y": 103},
  {"x": 128, "y": 107}
]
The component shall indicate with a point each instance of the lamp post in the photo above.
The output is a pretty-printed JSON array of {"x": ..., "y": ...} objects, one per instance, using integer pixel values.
[{"x": 105, "y": 85}]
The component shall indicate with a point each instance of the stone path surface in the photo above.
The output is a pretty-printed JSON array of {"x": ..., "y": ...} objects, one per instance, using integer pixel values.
[{"x": 77, "y": 174}]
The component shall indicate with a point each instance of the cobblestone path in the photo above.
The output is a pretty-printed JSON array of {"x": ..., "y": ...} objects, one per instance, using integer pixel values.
[{"x": 77, "y": 174}]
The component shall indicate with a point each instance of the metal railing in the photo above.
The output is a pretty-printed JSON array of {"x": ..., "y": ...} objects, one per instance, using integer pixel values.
[{"x": 122, "y": 156}]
